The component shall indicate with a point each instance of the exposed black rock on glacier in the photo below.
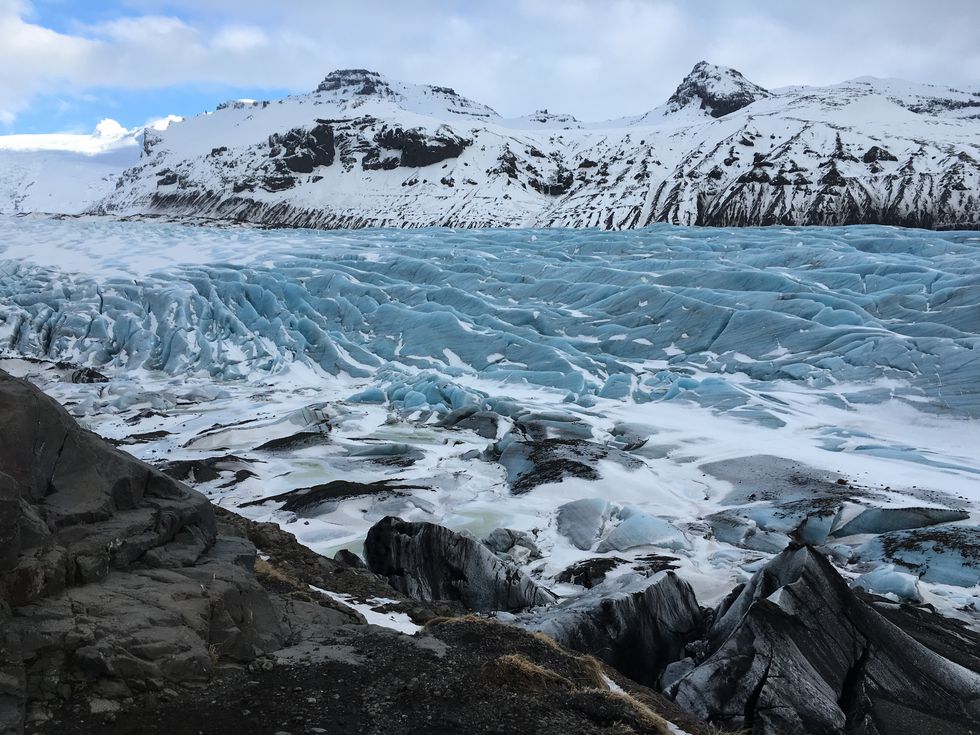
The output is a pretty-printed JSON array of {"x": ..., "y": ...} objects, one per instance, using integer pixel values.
[
  {"x": 793, "y": 650},
  {"x": 430, "y": 562},
  {"x": 637, "y": 626},
  {"x": 796, "y": 650}
]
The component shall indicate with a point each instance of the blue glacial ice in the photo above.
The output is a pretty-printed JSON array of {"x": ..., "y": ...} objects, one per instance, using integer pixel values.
[{"x": 862, "y": 314}]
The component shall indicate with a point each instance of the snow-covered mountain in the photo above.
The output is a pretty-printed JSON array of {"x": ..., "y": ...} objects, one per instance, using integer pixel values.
[{"x": 363, "y": 150}]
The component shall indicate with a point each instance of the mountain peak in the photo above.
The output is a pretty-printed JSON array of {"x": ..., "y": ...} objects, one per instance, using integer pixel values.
[
  {"x": 355, "y": 82},
  {"x": 718, "y": 90}
]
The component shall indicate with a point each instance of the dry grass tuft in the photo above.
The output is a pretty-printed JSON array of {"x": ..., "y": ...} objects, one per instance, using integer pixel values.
[
  {"x": 716, "y": 729},
  {"x": 263, "y": 568},
  {"x": 529, "y": 672},
  {"x": 547, "y": 640},
  {"x": 646, "y": 716},
  {"x": 594, "y": 671},
  {"x": 271, "y": 575},
  {"x": 589, "y": 675},
  {"x": 470, "y": 618},
  {"x": 214, "y": 655}
]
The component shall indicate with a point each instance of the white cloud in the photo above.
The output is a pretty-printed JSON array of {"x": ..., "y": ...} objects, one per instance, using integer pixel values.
[
  {"x": 239, "y": 39},
  {"x": 109, "y": 128},
  {"x": 593, "y": 58}
]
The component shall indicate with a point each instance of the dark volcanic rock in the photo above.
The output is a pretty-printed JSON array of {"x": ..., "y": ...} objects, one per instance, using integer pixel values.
[
  {"x": 557, "y": 185},
  {"x": 419, "y": 148},
  {"x": 798, "y": 651},
  {"x": 83, "y": 507},
  {"x": 637, "y": 626},
  {"x": 303, "y": 150},
  {"x": 877, "y": 153},
  {"x": 589, "y": 572},
  {"x": 716, "y": 89},
  {"x": 358, "y": 81},
  {"x": 429, "y": 562},
  {"x": 372, "y": 161},
  {"x": 114, "y": 578},
  {"x": 297, "y": 501},
  {"x": 533, "y": 462}
]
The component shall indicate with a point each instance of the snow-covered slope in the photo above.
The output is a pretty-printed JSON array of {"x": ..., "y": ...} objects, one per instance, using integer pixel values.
[
  {"x": 363, "y": 150},
  {"x": 65, "y": 172}
]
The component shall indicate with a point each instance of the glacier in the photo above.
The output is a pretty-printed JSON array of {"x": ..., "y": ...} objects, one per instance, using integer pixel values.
[{"x": 710, "y": 394}]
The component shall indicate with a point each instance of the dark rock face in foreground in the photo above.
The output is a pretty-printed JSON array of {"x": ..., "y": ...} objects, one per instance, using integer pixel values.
[
  {"x": 798, "y": 651},
  {"x": 114, "y": 578},
  {"x": 429, "y": 562}
]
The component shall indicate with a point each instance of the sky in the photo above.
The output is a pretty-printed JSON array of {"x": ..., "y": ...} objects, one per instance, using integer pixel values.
[{"x": 66, "y": 64}]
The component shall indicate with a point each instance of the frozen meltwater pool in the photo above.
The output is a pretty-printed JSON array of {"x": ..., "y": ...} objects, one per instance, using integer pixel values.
[{"x": 705, "y": 395}]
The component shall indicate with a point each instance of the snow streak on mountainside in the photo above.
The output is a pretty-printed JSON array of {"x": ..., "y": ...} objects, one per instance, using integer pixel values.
[{"x": 363, "y": 150}]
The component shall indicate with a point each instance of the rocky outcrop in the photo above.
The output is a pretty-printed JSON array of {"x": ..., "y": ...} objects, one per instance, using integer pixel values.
[
  {"x": 301, "y": 150},
  {"x": 717, "y": 90},
  {"x": 114, "y": 578},
  {"x": 797, "y": 651},
  {"x": 419, "y": 148},
  {"x": 358, "y": 81},
  {"x": 636, "y": 625},
  {"x": 430, "y": 562},
  {"x": 77, "y": 509}
]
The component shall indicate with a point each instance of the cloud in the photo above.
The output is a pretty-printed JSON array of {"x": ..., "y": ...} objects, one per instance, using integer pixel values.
[
  {"x": 593, "y": 58},
  {"x": 239, "y": 39}
]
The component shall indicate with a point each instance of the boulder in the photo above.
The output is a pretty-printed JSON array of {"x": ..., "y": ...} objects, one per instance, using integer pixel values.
[
  {"x": 511, "y": 545},
  {"x": 429, "y": 562}
]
